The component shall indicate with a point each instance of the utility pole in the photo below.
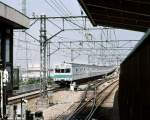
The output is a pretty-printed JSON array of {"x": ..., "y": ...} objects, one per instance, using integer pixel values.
[
  {"x": 43, "y": 72},
  {"x": 43, "y": 101},
  {"x": 24, "y": 11},
  {"x": 24, "y": 7},
  {"x": 71, "y": 55},
  {"x": 89, "y": 60},
  {"x": 49, "y": 60}
]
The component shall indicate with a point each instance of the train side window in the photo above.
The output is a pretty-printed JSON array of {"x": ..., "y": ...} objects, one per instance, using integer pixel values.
[{"x": 68, "y": 70}]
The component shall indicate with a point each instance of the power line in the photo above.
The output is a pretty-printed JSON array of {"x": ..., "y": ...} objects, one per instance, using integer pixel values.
[
  {"x": 65, "y": 6},
  {"x": 24, "y": 41},
  {"x": 56, "y": 5},
  {"x": 59, "y": 7},
  {"x": 53, "y": 7}
]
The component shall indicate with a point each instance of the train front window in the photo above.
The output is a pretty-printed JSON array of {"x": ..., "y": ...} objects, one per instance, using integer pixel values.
[
  {"x": 67, "y": 70},
  {"x": 57, "y": 70},
  {"x": 62, "y": 70}
]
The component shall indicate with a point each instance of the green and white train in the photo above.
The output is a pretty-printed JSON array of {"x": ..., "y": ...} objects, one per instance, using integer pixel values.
[{"x": 66, "y": 73}]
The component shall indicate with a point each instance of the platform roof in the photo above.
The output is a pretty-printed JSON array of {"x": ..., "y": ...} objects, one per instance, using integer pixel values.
[
  {"x": 124, "y": 14},
  {"x": 10, "y": 16}
]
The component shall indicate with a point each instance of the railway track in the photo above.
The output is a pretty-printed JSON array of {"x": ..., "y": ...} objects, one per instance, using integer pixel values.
[
  {"x": 29, "y": 95},
  {"x": 74, "y": 109},
  {"x": 100, "y": 98},
  {"x": 36, "y": 93},
  {"x": 75, "y": 106},
  {"x": 87, "y": 108}
]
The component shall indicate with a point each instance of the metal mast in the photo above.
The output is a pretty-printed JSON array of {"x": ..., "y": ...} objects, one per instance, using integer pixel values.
[
  {"x": 43, "y": 38},
  {"x": 24, "y": 11},
  {"x": 24, "y": 7}
]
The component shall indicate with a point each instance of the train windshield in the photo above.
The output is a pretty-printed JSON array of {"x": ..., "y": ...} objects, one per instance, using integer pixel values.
[
  {"x": 57, "y": 70},
  {"x": 62, "y": 70}
]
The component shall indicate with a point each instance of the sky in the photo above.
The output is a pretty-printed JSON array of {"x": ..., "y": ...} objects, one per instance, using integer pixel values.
[{"x": 38, "y": 7}]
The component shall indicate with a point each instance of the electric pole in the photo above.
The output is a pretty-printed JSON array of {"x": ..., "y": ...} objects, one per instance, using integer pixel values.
[
  {"x": 24, "y": 7},
  {"x": 24, "y": 11},
  {"x": 43, "y": 57}
]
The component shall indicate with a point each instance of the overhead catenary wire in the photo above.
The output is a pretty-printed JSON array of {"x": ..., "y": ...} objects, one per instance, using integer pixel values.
[
  {"x": 59, "y": 7},
  {"x": 55, "y": 10},
  {"x": 60, "y": 10},
  {"x": 31, "y": 43},
  {"x": 65, "y": 7},
  {"x": 56, "y": 4}
]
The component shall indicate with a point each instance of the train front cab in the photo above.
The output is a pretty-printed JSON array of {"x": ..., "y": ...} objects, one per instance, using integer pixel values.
[{"x": 63, "y": 76}]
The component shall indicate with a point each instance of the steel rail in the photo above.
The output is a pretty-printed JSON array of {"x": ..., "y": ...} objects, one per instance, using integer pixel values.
[
  {"x": 96, "y": 105},
  {"x": 17, "y": 98},
  {"x": 62, "y": 117},
  {"x": 81, "y": 108}
]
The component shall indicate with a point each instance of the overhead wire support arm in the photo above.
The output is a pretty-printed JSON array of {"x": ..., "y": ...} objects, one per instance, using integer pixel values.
[
  {"x": 53, "y": 52},
  {"x": 33, "y": 22},
  {"x": 58, "y": 48},
  {"x": 32, "y": 37},
  {"x": 80, "y": 41},
  {"x": 53, "y": 36},
  {"x": 55, "y": 24},
  {"x": 75, "y": 24},
  {"x": 78, "y": 29},
  {"x": 64, "y": 17}
]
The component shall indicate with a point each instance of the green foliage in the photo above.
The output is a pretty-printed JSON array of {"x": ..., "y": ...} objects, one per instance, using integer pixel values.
[
  {"x": 50, "y": 81},
  {"x": 34, "y": 81},
  {"x": 30, "y": 81}
]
